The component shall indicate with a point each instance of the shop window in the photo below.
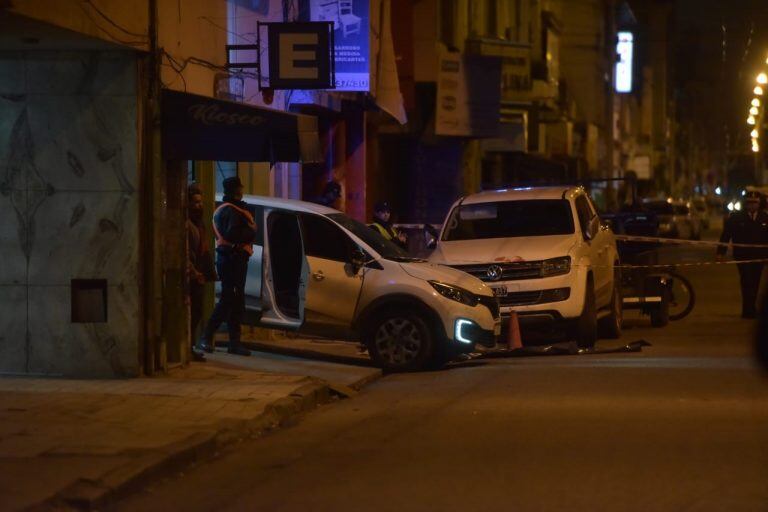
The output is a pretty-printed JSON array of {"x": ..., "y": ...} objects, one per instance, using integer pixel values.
[{"x": 89, "y": 301}]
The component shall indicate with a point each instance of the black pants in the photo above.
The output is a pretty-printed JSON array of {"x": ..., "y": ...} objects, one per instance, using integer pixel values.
[
  {"x": 749, "y": 277},
  {"x": 232, "y": 269},
  {"x": 196, "y": 295}
]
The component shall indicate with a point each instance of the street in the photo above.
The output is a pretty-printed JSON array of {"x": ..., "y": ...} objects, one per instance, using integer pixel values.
[{"x": 680, "y": 426}]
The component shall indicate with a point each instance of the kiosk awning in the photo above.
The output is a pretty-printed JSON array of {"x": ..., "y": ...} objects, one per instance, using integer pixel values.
[{"x": 201, "y": 128}]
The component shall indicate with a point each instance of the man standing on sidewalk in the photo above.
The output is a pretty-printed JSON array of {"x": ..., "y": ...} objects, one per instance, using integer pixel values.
[
  {"x": 749, "y": 226},
  {"x": 235, "y": 231},
  {"x": 200, "y": 267}
]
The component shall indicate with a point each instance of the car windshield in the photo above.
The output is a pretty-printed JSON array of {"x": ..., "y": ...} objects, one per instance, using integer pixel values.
[
  {"x": 385, "y": 248},
  {"x": 660, "y": 207},
  {"x": 505, "y": 219}
]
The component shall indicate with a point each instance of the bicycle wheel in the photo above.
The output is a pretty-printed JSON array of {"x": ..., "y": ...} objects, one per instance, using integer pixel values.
[{"x": 682, "y": 297}]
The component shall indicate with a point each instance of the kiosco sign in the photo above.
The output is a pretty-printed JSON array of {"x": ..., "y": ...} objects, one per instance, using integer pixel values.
[{"x": 300, "y": 55}]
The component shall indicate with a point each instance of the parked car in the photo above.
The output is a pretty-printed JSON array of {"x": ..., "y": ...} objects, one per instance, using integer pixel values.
[
  {"x": 544, "y": 252},
  {"x": 701, "y": 207},
  {"x": 676, "y": 220},
  {"x": 316, "y": 270}
]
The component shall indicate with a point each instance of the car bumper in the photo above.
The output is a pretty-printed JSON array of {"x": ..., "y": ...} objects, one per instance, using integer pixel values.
[
  {"x": 467, "y": 326},
  {"x": 543, "y": 311}
]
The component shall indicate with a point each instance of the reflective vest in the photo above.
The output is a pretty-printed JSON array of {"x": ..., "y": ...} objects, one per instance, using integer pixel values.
[
  {"x": 384, "y": 231},
  {"x": 221, "y": 241}
]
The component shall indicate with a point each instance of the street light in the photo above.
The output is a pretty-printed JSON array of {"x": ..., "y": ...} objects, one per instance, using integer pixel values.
[
  {"x": 755, "y": 134},
  {"x": 758, "y": 90},
  {"x": 762, "y": 78},
  {"x": 755, "y": 102},
  {"x": 754, "y": 111},
  {"x": 751, "y": 120}
]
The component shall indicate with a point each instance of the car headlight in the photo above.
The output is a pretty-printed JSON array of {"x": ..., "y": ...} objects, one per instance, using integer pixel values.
[
  {"x": 455, "y": 293},
  {"x": 556, "y": 266}
]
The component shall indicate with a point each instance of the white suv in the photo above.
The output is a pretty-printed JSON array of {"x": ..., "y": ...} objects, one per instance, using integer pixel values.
[
  {"x": 544, "y": 252},
  {"x": 316, "y": 270}
]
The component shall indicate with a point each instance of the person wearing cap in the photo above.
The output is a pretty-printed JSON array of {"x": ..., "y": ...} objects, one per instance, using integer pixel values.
[
  {"x": 382, "y": 214},
  {"x": 200, "y": 266},
  {"x": 331, "y": 194},
  {"x": 235, "y": 230},
  {"x": 748, "y": 226}
]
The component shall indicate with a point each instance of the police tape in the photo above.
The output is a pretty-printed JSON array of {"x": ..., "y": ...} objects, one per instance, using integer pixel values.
[{"x": 677, "y": 241}]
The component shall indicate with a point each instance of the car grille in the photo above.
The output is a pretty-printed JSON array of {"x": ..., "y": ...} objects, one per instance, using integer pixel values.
[
  {"x": 509, "y": 271},
  {"x": 530, "y": 298},
  {"x": 521, "y": 298},
  {"x": 492, "y": 303}
]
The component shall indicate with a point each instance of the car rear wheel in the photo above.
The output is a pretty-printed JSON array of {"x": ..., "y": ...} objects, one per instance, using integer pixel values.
[
  {"x": 586, "y": 325},
  {"x": 399, "y": 341},
  {"x": 610, "y": 326}
]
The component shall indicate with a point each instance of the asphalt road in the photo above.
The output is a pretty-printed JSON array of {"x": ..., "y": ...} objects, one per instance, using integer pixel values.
[{"x": 680, "y": 426}]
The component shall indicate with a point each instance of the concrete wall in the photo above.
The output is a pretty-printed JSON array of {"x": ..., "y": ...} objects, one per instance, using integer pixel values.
[{"x": 69, "y": 209}]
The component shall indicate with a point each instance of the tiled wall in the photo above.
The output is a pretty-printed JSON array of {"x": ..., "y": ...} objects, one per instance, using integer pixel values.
[{"x": 68, "y": 209}]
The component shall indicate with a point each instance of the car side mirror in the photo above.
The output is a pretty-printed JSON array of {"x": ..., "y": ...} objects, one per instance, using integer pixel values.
[
  {"x": 593, "y": 228},
  {"x": 357, "y": 260}
]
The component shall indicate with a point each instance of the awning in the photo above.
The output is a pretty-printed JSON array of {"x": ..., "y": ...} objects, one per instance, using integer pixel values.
[{"x": 201, "y": 128}]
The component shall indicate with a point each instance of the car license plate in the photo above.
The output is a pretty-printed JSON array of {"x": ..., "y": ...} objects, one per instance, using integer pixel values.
[{"x": 499, "y": 291}]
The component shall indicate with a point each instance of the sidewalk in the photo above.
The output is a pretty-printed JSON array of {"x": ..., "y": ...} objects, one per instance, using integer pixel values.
[{"x": 78, "y": 443}]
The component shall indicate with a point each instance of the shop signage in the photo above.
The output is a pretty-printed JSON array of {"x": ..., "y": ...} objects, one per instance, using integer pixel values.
[
  {"x": 468, "y": 95},
  {"x": 624, "y": 49},
  {"x": 299, "y": 55},
  {"x": 202, "y": 128},
  {"x": 351, "y": 22}
]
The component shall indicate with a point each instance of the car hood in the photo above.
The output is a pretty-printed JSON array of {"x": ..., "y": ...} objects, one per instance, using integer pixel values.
[
  {"x": 489, "y": 250},
  {"x": 447, "y": 275}
]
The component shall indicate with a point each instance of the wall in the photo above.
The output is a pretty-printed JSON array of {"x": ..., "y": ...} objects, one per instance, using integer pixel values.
[{"x": 69, "y": 209}]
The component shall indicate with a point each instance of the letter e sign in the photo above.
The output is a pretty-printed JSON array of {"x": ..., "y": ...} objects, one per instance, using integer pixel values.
[{"x": 300, "y": 55}]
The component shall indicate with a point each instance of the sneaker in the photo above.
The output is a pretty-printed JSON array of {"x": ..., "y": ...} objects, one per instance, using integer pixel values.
[{"x": 205, "y": 344}]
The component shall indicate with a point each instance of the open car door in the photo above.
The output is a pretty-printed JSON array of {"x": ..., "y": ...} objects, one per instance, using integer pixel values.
[{"x": 275, "y": 289}]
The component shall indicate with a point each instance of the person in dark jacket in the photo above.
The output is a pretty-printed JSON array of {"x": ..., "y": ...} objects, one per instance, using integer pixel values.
[
  {"x": 235, "y": 230},
  {"x": 382, "y": 214},
  {"x": 200, "y": 268},
  {"x": 749, "y": 226},
  {"x": 331, "y": 194}
]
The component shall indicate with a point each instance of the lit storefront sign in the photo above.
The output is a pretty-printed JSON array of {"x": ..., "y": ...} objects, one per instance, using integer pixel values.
[
  {"x": 300, "y": 55},
  {"x": 351, "y": 23},
  {"x": 624, "y": 49}
]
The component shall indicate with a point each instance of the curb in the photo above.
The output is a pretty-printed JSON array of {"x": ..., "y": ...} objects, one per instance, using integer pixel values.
[
  {"x": 87, "y": 494},
  {"x": 316, "y": 355}
]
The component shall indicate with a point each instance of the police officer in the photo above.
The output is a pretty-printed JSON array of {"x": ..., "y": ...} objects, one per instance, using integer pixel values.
[
  {"x": 382, "y": 214},
  {"x": 749, "y": 226},
  {"x": 235, "y": 231}
]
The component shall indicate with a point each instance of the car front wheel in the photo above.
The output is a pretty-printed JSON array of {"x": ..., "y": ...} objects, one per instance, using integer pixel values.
[
  {"x": 586, "y": 324},
  {"x": 610, "y": 325},
  {"x": 399, "y": 340}
]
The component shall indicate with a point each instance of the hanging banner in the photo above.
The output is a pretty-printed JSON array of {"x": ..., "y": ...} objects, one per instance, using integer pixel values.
[{"x": 351, "y": 22}]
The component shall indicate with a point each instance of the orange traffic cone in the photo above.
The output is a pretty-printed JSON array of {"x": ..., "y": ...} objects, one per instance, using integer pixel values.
[{"x": 514, "y": 340}]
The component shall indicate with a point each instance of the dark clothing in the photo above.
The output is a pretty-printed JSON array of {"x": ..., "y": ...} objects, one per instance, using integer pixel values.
[
  {"x": 200, "y": 262},
  {"x": 232, "y": 225},
  {"x": 749, "y": 278},
  {"x": 232, "y": 266},
  {"x": 741, "y": 228}
]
